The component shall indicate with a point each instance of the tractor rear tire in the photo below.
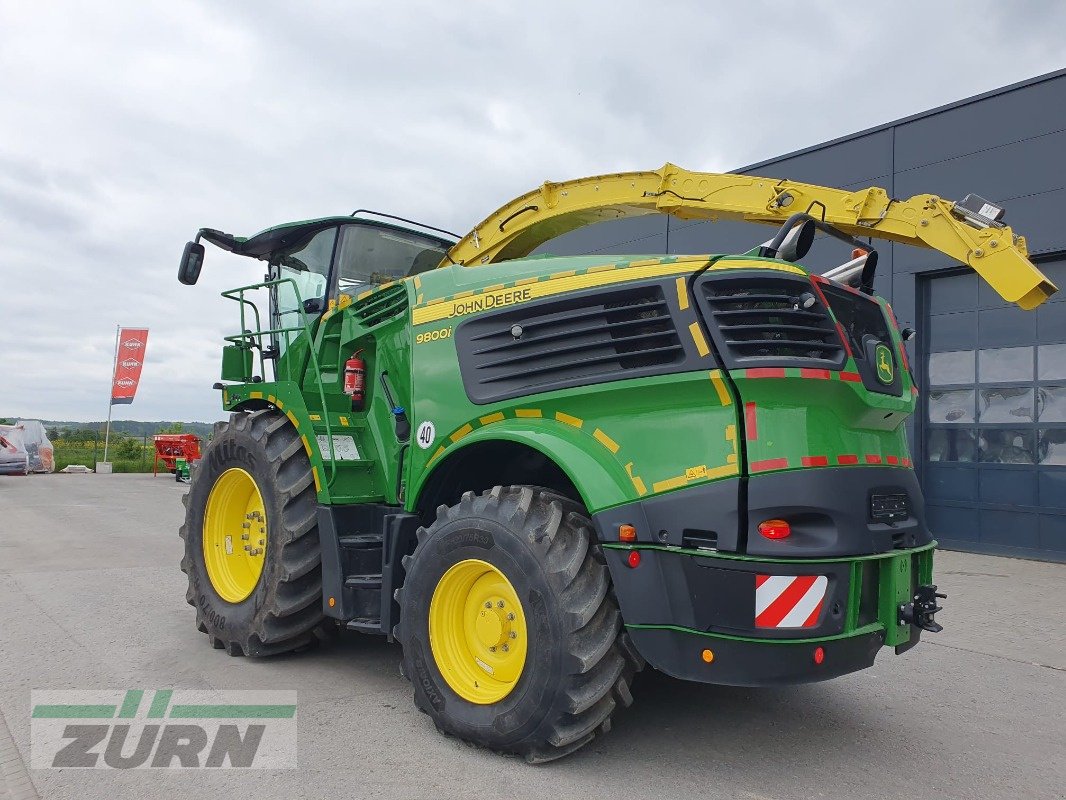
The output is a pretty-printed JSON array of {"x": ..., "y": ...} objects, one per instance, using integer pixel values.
[
  {"x": 282, "y": 609},
  {"x": 576, "y": 664}
]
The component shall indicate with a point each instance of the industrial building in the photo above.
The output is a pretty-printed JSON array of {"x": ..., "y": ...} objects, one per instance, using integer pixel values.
[{"x": 989, "y": 436}]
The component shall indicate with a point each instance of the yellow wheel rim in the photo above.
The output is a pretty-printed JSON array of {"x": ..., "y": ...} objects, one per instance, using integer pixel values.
[
  {"x": 235, "y": 533},
  {"x": 477, "y": 632}
]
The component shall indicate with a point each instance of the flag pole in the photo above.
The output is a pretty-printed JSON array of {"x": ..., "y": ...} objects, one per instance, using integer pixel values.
[{"x": 110, "y": 392}]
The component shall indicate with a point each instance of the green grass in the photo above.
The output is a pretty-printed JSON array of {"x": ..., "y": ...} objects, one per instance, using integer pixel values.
[{"x": 76, "y": 453}]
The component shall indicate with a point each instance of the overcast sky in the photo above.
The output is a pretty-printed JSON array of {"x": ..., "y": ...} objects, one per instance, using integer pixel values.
[{"x": 125, "y": 126}]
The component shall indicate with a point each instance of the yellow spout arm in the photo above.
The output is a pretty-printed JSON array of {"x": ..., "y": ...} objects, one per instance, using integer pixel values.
[{"x": 995, "y": 252}]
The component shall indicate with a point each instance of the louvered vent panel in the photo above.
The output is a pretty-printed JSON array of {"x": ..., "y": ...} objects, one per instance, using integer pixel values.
[
  {"x": 381, "y": 306},
  {"x": 759, "y": 320},
  {"x": 575, "y": 341}
]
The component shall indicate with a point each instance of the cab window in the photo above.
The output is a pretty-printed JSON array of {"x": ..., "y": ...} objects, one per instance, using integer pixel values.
[
  {"x": 368, "y": 256},
  {"x": 307, "y": 266}
]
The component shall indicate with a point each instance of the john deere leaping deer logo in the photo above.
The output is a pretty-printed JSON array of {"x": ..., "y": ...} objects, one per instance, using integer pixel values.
[{"x": 883, "y": 362}]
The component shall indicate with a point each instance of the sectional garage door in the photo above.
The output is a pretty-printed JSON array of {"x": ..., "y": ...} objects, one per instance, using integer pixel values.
[{"x": 993, "y": 426}]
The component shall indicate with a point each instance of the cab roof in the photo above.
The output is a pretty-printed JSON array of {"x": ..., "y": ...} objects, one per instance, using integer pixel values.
[{"x": 289, "y": 234}]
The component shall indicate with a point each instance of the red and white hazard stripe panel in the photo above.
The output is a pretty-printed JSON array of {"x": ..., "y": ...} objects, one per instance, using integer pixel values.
[{"x": 789, "y": 601}]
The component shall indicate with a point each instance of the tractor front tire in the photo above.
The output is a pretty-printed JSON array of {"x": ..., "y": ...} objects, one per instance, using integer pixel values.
[
  {"x": 510, "y": 632},
  {"x": 252, "y": 551}
]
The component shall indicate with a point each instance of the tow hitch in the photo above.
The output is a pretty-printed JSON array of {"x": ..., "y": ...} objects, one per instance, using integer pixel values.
[{"x": 920, "y": 612}]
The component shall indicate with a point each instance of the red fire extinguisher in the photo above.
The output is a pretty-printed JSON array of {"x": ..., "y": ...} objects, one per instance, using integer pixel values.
[{"x": 355, "y": 380}]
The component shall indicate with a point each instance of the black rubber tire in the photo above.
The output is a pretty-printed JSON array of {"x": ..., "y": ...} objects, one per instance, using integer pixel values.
[
  {"x": 284, "y": 612},
  {"x": 579, "y": 664}
]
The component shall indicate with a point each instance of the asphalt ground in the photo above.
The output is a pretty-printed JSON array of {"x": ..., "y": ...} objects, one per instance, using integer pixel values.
[{"x": 91, "y": 597}]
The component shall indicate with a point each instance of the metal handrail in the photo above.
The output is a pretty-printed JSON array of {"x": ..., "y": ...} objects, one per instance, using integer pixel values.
[{"x": 237, "y": 295}]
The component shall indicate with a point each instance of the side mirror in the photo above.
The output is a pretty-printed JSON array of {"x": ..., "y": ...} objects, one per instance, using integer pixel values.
[{"x": 192, "y": 259}]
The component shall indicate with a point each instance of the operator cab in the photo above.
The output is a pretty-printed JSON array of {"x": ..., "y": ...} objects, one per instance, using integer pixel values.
[{"x": 316, "y": 264}]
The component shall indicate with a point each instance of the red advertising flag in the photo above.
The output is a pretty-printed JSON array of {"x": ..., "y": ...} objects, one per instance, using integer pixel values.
[{"x": 129, "y": 358}]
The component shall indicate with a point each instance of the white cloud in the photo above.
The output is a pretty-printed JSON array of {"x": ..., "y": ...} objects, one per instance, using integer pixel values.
[{"x": 126, "y": 126}]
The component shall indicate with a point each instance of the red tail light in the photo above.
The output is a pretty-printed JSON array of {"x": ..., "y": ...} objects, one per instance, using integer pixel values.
[
  {"x": 775, "y": 529},
  {"x": 634, "y": 559}
]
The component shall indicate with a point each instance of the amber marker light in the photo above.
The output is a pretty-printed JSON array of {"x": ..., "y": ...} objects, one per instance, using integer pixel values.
[
  {"x": 627, "y": 533},
  {"x": 707, "y": 656},
  {"x": 775, "y": 529}
]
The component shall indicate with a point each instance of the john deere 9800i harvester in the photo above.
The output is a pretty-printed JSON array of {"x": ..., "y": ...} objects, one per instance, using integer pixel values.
[{"x": 541, "y": 474}]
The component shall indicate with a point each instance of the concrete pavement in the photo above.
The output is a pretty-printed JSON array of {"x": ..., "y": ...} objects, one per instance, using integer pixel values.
[{"x": 91, "y": 597}]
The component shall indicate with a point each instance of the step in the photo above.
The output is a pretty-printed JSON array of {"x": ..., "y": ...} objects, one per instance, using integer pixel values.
[
  {"x": 363, "y": 581},
  {"x": 360, "y": 540},
  {"x": 364, "y": 625}
]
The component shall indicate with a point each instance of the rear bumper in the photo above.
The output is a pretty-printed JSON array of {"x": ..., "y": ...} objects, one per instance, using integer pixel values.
[
  {"x": 762, "y": 620},
  {"x": 734, "y": 662}
]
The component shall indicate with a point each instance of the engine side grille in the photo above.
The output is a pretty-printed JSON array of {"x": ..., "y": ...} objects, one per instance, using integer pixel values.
[
  {"x": 760, "y": 320},
  {"x": 578, "y": 340},
  {"x": 381, "y": 306}
]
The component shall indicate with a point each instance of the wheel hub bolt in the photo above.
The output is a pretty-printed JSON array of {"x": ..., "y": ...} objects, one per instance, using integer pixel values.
[
  {"x": 488, "y": 604},
  {"x": 506, "y": 648},
  {"x": 492, "y": 649},
  {"x": 499, "y": 603},
  {"x": 510, "y": 616},
  {"x": 514, "y": 635}
]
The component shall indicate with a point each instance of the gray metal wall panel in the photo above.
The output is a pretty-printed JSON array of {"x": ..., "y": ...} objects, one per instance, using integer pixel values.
[
  {"x": 1010, "y": 117},
  {"x": 853, "y": 162},
  {"x": 635, "y": 235},
  {"x": 1001, "y": 174}
]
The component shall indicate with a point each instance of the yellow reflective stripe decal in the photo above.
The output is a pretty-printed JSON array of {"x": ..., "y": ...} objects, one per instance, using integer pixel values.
[
  {"x": 719, "y": 386},
  {"x": 682, "y": 293},
  {"x": 488, "y": 419},
  {"x": 605, "y": 440},
  {"x": 722, "y": 472},
  {"x": 255, "y": 395},
  {"x": 569, "y": 420},
  {"x": 318, "y": 483},
  {"x": 292, "y": 418},
  {"x": 463, "y": 431},
  {"x": 697, "y": 338},
  {"x": 698, "y": 473},
  {"x": 638, "y": 484},
  {"x": 527, "y": 413},
  {"x": 669, "y": 483},
  {"x": 307, "y": 445}
]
